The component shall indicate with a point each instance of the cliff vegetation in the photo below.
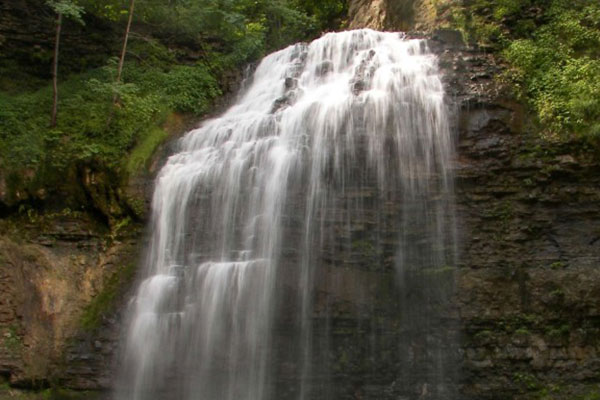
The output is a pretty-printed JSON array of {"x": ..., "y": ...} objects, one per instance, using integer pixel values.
[
  {"x": 552, "y": 51},
  {"x": 120, "y": 79}
]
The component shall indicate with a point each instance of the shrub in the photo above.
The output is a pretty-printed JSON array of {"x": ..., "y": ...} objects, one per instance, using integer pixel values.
[{"x": 553, "y": 50}]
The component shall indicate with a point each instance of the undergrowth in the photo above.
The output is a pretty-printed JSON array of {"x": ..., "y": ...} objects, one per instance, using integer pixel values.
[
  {"x": 90, "y": 125},
  {"x": 178, "y": 56},
  {"x": 552, "y": 48}
]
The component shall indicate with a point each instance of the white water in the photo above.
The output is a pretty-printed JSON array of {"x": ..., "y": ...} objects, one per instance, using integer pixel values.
[{"x": 252, "y": 198}]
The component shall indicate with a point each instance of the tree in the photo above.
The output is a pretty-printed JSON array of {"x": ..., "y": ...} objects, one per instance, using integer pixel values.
[
  {"x": 124, "y": 50},
  {"x": 121, "y": 60},
  {"x": 63, "y": 9}
]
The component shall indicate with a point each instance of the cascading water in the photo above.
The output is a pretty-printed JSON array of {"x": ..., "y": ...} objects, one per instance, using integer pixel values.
[{"x": 288, "y": 214}]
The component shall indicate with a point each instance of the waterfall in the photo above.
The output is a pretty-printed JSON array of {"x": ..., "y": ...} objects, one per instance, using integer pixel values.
[{"x": 323, "y": 197}]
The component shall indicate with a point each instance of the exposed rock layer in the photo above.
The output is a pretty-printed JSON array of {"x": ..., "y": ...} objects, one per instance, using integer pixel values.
[
  {"x": 398, "y": 15},
  {"x": 528, "y": 291},
  {"x": 58, "y": 277}
]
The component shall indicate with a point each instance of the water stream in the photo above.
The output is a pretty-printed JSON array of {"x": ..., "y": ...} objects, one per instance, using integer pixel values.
[{"x": 326, "y": 186}]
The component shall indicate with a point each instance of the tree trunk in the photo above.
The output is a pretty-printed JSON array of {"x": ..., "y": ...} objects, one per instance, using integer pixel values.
[
  {"x": 122, "y": 59},
  {"x": 55, "y": 71}
]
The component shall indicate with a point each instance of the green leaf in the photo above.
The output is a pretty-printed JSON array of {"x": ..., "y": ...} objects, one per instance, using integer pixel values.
[{"x": 68, "y": 8}]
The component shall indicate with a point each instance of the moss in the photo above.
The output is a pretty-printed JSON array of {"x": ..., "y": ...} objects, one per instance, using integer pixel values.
[
  {"x": 558, "y": 332},
  {"x": 560, "y": 392},
  {"x": 104, "y": 301},
  {"x": 522, "y": 331},
  {"x": 558, "y": 295},
  {"x": 526, "y": 381},
  {"x": 502, "y": 211},
  {"x": 12, "y": 341},
  {"x": 593, "y": 395},
  {"x": 366, "y": 249},
  {"x": 9, "y": 393},
  {"x": 66, "y": 394},
  {"x": 483, "y": 334},
  {"x": 445, "y": 270},
  {"x": 558, "y": 265},
  {"x": 29, "y": 224},
  {"x": 136, "y": 205},
  {"x": 120, "y": 228},
  {"x": 514, "y": 323},
  {"x": 142, "y": 153},
  {"x": 549, "y": 392}
]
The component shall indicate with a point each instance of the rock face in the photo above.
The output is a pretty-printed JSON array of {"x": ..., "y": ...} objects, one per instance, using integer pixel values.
[
  {"x": 367, "y": 13},
  {"x": 60, "y": 279},
  {"x": 528, "y": 288},
  {"x": 402, "y": 15}
]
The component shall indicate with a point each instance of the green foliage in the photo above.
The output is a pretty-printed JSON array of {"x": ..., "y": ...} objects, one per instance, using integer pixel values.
[
  {"x": 233, "y": 32},
  {"x": 82, "y": 134},
  {"x": 143, "y": 151},
  {"x": 178, "y": 53},
  {"x": 111, "y": 10},
  {"x": 326, "y": 14},
  {"x": 241, "y": 30},
  {"x": 553, "y": 48},
  {"x": 593, "y": 395},
  {"x": 191, "y": 89},
  {"x": 559, "y": 331},
  {"x": 67, "y": 8}
]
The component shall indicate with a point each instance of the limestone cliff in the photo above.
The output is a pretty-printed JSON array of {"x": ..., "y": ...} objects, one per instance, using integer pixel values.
[
  {"x": 60, "y": 277},
  {"x": 528, "y": 290},
  {"x": 402, "y": 15}
]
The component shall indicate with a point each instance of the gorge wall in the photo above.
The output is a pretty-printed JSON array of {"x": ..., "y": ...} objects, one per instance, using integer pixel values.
[
  {"x": 527, "y": 296},
  {"x": 528, "y": 285},
  {"x": 63, "y": 277}
]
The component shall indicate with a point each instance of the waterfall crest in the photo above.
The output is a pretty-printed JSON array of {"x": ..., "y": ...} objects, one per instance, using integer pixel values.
[{"x": 335, "y": 158}]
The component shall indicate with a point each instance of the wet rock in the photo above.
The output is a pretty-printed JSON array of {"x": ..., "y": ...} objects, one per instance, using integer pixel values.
[
  {"x": 567, "y": 160},
  {"x": 358, "y": 86},
  {"x": 281, "y": 103},
  {"x": 450, "y": 38},
  {"x": 324, "y": 68},
  {"x": 290, "y": 83}
]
